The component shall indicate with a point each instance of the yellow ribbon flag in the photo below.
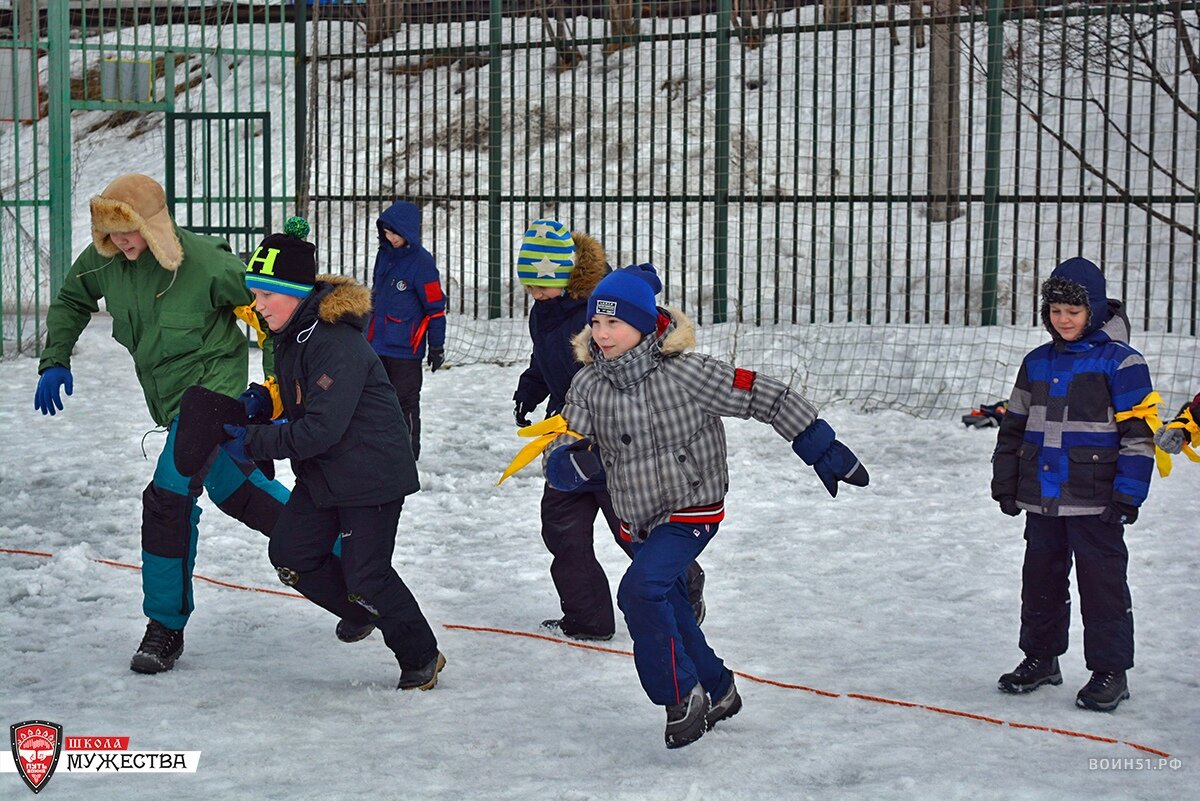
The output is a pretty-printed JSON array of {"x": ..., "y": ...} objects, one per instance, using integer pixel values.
[
  {"x": 545, "y": 432},
  {"x": 1192, "y": 428},
  {"x": 1148, "y": 410},
  {"x": 248, "y": 316}
]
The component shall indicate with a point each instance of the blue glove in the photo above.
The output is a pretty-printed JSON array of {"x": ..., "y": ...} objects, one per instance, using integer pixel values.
[
  {"x": 257, "y": 401},
  {"x": 818, "y": 446},
  {"x": 46, "y": 399},
  {"x": 572, "y": 466},
  {"x": 235, "y": 446}
]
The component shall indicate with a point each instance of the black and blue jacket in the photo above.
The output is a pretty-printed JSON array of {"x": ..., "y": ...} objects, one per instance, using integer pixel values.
[
  {"x": 1060, "y": 450},
  {"x": 409, "y": 305}
]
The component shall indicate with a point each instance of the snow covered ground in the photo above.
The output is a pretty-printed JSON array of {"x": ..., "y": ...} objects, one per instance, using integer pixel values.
[{"x": 907, "y": 590}]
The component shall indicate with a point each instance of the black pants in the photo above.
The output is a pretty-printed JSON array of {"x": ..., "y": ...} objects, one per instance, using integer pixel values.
[
  {"x": 406, "y": 376},
  {"x": 1101, "y": 559},
  {"x": 363, "y": 585},
  {"x": 568, "y": 526}
]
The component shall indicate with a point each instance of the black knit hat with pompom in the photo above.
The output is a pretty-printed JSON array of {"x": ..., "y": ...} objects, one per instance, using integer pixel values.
[{"x": 284, "y": 262}]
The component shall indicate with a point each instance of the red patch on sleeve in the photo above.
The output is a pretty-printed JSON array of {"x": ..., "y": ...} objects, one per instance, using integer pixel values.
[
  {"x": 325, "y": 382},
  {"x": 433, "y": 292},
  {"x": 744, "y": 379}
]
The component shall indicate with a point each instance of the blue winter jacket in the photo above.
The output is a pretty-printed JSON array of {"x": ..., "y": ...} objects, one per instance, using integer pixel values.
[
  {"x": 1060, "y": 451},
  {"x": 409, "y": 305}
]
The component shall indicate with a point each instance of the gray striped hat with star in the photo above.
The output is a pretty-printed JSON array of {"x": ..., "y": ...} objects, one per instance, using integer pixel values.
[{"x": 547, "y": 255}]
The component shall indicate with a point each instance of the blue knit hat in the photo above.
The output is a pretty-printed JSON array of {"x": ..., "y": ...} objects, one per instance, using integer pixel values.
[
  {"x": 628, "y": 294},
  {"x": 284, "y": 263},
  {"x": 547, "y": 255}
]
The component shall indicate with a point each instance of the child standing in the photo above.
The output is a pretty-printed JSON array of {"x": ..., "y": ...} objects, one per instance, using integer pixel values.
[
  {"x": 559, "y": 270},
  {"x": 353, "y": 462},
  {"x": 408, "y": 323},
  {"x": 650, "y": 417},
  {"x": 1073, "y": 453}
]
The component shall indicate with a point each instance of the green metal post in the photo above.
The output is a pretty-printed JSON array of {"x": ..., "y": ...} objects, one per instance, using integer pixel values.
[
  {"x": 991, "y": 174},
  {"x": 300, "y": 64},
  {"x": 495, "y": 162},
  {"x": 721, "y": 157},
  {"x": 59, "y": 68}
]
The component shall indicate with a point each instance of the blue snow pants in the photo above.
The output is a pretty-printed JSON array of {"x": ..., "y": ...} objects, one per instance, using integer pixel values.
[
  {"x": 669, "y": 650},
  {"x": 170, "y": 517}
]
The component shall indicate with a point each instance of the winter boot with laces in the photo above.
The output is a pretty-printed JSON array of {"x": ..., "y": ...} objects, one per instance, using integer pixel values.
[
  {"x": 349, "y": 631},
  {"x": 726, "y": 706},
  {"x": 1104, "y": 691},
  {"x": 686, "y": 721},
  {"x": 422, "y": 678},
  {"x": 160, "y": 648},
  {"x": 1033, "y": 672}
]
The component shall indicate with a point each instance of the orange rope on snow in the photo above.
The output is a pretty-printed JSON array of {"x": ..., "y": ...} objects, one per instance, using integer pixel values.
[
  {"x": 750, "y": 677},
  {"x": 128, "y": 566}
]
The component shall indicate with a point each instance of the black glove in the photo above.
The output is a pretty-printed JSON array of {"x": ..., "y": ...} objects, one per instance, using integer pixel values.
[
  {"x": 521, "y": 412},
  {"x": 257, "y": 401},
  {"x": 435, "y": 357},
  {"x": 1008, "y": 505},
  {"x": 1120, "y": 513}
]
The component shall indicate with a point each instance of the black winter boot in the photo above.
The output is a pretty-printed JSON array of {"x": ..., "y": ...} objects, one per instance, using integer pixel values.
[
  {"x": 422, "y": 678},
  {"x": 349, "y": 631},
  {"x": 726, "y": 706},
  {"x": 160, "y": 648},
  {"x": 686, "y": 721},
  {"x": 1104, "y": 691},
  {"x": 1033, "y": 672},
  {"x": 556, "y": 625}
]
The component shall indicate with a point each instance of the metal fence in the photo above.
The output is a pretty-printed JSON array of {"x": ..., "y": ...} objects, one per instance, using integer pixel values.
[{"x": 861, "y": 198}]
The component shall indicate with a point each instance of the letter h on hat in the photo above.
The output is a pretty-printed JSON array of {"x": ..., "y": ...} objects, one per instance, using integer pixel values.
[{"x": 284, "y": 263}]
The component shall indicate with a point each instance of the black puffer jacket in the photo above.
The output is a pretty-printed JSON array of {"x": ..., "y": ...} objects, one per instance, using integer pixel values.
[{"x": 345, "y": 434}]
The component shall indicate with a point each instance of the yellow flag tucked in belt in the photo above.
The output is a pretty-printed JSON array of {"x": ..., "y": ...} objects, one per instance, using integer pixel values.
[
  {"x": 545, "y": 432},
  {"x": 1148, "y": 410}
]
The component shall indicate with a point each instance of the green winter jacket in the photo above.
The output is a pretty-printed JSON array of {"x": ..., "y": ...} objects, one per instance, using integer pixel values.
[{"x": 178, "y": 326}]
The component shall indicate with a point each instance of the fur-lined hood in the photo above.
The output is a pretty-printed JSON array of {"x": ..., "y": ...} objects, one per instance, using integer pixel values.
[
  {"x": 591, "y": 265},
  {"x": 348, "y": 300},
  {"x": 678, "y": 337},
  {"x": 136, "y": 203},
  {"x": 335, "y": 299}
]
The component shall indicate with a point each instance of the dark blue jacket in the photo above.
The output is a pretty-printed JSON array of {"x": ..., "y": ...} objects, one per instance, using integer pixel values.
[
  {"x": 409, "y": 305},
  {"x": 1060, "y": 450}
]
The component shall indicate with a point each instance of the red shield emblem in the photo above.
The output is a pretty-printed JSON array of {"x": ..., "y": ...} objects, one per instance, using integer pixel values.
[{"x": 35, "y": 748}]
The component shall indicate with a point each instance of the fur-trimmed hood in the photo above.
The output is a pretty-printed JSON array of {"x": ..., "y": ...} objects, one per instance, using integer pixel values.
[
  {"x": 678, "y": 337},
  {"x": 591, "y": 265},
  {"x": 334, "y": 299},
  {"x": 138, "y": 203},
  {"x": 347, "y": 301}
]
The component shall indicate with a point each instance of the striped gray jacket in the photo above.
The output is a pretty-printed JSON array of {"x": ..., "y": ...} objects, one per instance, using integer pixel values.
[{"x": 655, "y": 413}]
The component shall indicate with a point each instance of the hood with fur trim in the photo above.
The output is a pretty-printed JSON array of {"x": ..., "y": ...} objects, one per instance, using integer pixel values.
[
  {"x": 591, "y": 265},
  {"x": 138, "y": 203},
  {"x": 334, "y": 299},
  {"x": 679, "y": 337},
  {"x": 347, "y": 302}
]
